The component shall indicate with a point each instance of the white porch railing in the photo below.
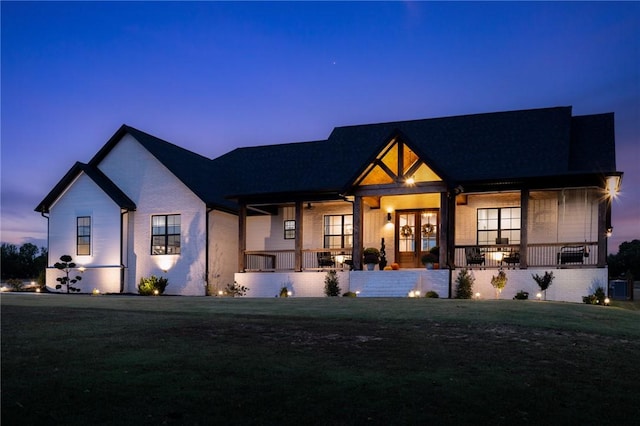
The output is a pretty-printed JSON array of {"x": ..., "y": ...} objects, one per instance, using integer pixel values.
[{"x": 284, "y": 260}]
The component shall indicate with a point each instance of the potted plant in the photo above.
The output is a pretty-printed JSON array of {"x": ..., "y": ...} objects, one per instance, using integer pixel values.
[
  {"x": 371, "y": 257},
  {"x": 436, "y": 252},
  {"x": 428, "y": 259}
]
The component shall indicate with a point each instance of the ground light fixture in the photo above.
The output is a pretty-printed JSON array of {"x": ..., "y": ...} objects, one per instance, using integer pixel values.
[{"x": 539, "y": 296}]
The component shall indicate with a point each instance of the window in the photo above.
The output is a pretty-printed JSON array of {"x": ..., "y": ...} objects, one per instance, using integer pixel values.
[
  {"x": 289, "y": 229},
  {"x": 499, "y": 223},
  {"x": 338, "y": 231},
  {"x": 165, "y": 234},
  {"x": 83, "y": 236}
]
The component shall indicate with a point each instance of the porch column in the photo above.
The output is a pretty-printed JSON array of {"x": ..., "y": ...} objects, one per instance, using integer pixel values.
[
  {"x": 604, "y": 210},
  {"x": 447, "y": 229},
  {"x": 358, "y": 241},
  {"x": 242, "y": 235},
  {"x": 298, "y": 242},
  {"x": 524, "y": 227}
]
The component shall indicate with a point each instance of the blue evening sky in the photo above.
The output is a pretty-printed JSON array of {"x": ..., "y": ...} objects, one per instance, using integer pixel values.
[{"x": 212, "y": 76}]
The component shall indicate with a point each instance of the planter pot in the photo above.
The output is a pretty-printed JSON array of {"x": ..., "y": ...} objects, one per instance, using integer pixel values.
[
  {"x": 370, "y": 266},
  {"x": 429, "y": 265}
]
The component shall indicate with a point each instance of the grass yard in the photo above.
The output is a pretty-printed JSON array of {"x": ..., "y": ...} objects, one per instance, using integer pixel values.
[{"x": 79, "y": 360}]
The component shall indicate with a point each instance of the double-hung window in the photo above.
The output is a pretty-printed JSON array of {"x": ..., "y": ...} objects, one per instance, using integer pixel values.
[
  {"x": 497, "y": 224},
  {"x": 83, "y": 235},
  {"x": 289, "y": 229},
  {"x": 165, "y": 234},
  {"x": 338, "y": 231}
]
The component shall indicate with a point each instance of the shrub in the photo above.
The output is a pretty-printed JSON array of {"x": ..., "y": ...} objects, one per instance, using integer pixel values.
[
  {"x": 432, "y": 295},
  {"x": 15, "y": 284},
  {"x": 235, "y": 289},
  {"x": 371, "y": 255},
  {"x": 521, "y": 295},
  {"x": 284, "y": 292},
  {"x": 464, "y": 285},
  {"x": 499, "y": 282},
  {"x": 66, "y": 266},
  {"x": 597, "y": 298},
  {"x": 331, "y": 284},
  {"x": 543, "y": 282},
  {"x": 349, "y": 294},
  {"x": 152, "y": 285}
]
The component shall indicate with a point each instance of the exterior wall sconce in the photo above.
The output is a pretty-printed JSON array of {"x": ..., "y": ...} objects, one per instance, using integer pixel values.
[
  {"x": 389, "y": 217},
  {"x": 609, "y": 231},
  {"x": 612, "y": 186}
]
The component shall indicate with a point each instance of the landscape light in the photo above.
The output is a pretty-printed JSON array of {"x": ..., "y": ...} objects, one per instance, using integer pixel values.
[
  {"x": 417, "y": 293},
  {"x": 289, "y": 293},
  {"x": 156, "y": 292},
  {"x": 538, "y": 296},
  {"x": 477, "y": 295},
  {"x": 607, "y": 301}
]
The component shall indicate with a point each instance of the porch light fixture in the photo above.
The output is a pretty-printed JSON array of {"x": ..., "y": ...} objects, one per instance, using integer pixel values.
[
  {"x": 609, "y": 231},
  {"x": 410, "y": 180},
  {"x": 389, "y": 217},
  {"x": 612, "y": 186}
]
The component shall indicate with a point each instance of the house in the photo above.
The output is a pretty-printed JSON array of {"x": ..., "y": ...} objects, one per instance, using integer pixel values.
[{"x": 526, "y": 191}]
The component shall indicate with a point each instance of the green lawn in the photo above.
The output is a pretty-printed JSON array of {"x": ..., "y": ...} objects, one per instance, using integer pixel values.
[{"x": 83, "y": 359}]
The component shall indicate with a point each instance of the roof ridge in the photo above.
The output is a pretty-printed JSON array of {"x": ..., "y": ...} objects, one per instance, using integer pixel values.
[{"x": 387, "y": 123}]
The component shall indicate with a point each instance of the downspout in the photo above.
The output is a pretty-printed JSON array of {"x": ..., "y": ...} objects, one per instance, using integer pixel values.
[
  {"x": 46, "y": 217},
  {"x": 206, "y": 251},
  {"x": 122, "y": 237}
]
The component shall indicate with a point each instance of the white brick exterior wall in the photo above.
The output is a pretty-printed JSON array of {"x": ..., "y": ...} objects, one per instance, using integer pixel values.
[{"x": 155, "y": 190}]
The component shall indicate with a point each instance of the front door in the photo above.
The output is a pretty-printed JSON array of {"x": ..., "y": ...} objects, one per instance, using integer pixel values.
[{"x": 416, "y": 234}]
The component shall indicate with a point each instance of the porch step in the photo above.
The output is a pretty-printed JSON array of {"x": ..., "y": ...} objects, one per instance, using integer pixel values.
[{"x": 386, "y": 283}]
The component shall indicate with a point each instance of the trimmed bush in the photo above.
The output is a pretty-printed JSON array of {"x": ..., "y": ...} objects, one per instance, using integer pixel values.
[
  {"x": 597, "y": 298},
  {"x": 521, "y": 295},
  {"x": 464, "y": 285},
  {"x": 235, "y": 289},
  {"x": 432, "y": 295},
  {"x": 349, "y": 294},
  {"x": 15, "y": 284},
  {"x": 152, "y": 285},
  {"x": 331, "y": 284}
]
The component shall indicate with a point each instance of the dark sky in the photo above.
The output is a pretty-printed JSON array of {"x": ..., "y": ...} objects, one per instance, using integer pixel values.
[{"x": 212, "y": 76}]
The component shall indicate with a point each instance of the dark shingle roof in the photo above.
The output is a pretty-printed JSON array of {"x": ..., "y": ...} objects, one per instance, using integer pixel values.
[
  {"x": 109, "y": 188},
  {"x": 512, "y": 145},
  {"x": 194, "y": 170},
  {"x": 492, "y": 147}
]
